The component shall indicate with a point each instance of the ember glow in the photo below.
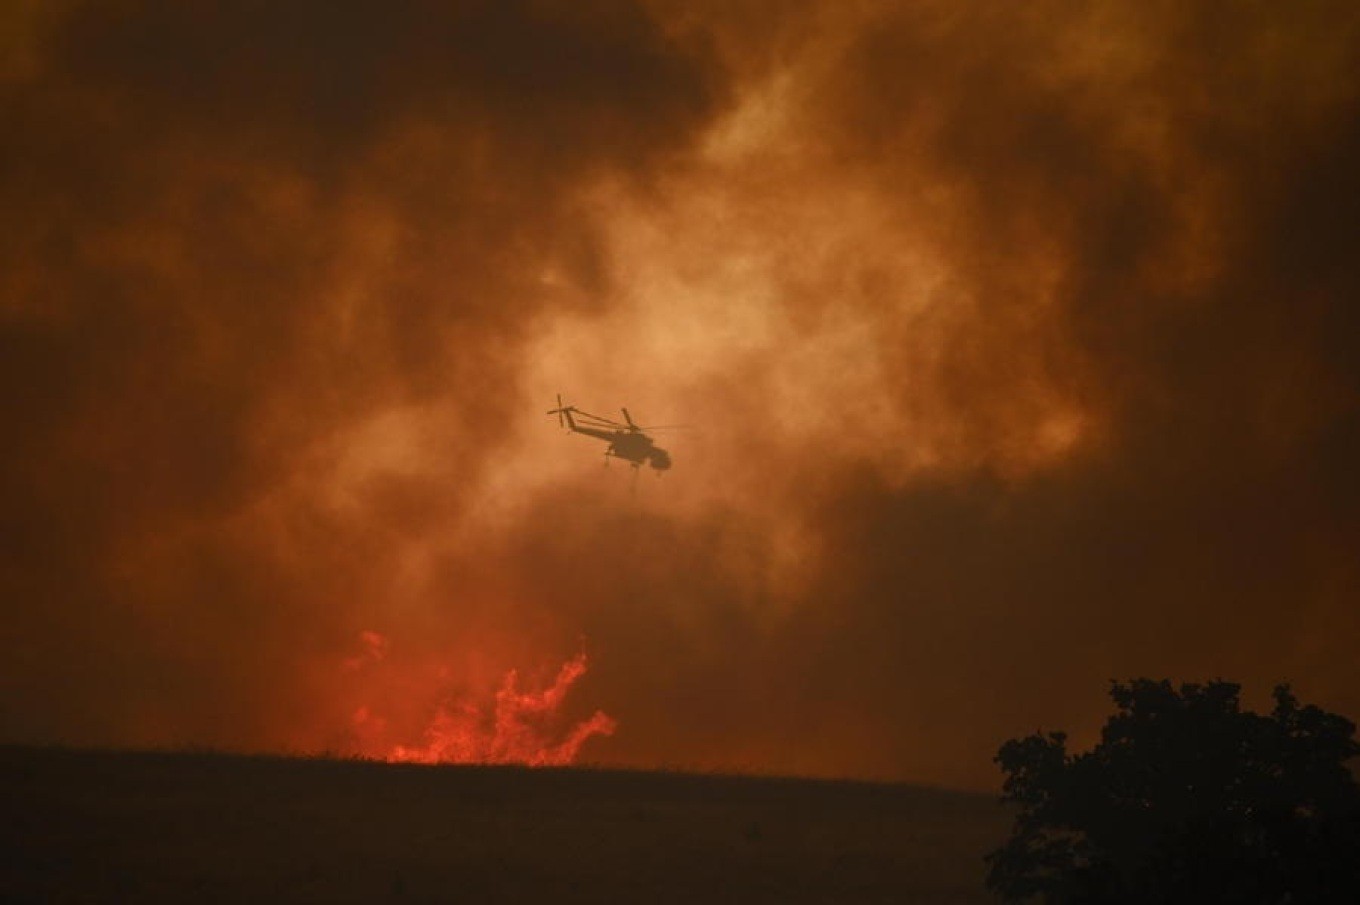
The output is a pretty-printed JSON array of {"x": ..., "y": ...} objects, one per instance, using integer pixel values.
[{"x": 517, "y": 725}]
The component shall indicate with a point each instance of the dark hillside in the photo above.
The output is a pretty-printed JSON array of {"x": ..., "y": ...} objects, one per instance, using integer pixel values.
[{"x": 100, "y": 826}]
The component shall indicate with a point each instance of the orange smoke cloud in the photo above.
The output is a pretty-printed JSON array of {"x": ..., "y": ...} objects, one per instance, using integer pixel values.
[{"x": 1021, "y": 344}]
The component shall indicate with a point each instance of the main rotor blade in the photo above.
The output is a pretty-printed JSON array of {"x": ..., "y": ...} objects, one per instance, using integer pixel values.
[{"x": 587, "y": 416}]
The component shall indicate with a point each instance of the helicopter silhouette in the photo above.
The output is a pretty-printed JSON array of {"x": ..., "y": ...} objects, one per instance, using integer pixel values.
[{"x": 627, "y": 440}]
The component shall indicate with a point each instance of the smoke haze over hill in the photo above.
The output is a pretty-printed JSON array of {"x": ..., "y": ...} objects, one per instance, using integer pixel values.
[{"x": 1022, "y": 345}]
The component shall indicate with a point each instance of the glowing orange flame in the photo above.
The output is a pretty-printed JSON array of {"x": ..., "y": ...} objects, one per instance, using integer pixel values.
[
  {"x": 375, "y": 649},
  {"x": 516, "y": 727}
]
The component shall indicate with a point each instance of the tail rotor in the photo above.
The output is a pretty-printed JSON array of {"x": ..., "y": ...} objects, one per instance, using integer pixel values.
[{"x": 560, "y": 412}]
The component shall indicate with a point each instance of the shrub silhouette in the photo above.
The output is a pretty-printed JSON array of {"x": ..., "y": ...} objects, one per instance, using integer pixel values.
[{"x": 1186, "y": 798}]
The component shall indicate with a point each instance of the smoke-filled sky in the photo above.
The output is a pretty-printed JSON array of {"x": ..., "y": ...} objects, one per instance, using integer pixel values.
[{"x": 1020, "y": 341}]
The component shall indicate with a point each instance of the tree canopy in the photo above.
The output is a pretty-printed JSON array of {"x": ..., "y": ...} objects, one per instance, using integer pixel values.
[{"x": 1186, "y": 797}]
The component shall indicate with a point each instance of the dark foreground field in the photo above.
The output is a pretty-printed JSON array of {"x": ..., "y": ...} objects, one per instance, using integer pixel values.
[{"x": 126, "y": 827}]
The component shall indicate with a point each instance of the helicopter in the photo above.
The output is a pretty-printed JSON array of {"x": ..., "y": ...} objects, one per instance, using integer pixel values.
[{"x": 627, "y": 440}]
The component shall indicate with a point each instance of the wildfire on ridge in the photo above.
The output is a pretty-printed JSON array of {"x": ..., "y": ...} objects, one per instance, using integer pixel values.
[{"x": 518, "y": 726}]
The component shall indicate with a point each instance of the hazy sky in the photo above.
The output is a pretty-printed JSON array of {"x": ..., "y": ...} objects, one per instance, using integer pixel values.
[{"x": 1021, "y": 340}]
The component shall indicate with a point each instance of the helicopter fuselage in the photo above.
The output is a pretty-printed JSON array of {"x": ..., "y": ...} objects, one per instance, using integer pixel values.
[{"x": 631, "y": 445}]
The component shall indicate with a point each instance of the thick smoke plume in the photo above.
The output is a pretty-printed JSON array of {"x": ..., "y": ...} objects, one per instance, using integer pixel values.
[{"x": 1020, "y": 341}]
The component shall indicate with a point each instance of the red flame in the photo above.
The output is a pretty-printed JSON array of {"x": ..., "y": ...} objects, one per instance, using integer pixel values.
[
  {"x": 374, "y": 649},
  {"x": 518, "y": 726}
]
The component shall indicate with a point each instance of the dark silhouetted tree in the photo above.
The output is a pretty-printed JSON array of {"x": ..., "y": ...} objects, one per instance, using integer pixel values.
[{"x": 1187, "y": 798}]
